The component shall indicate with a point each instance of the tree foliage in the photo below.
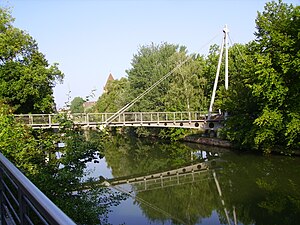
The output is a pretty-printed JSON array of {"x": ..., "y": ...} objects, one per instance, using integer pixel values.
[
  {"x": 18, "y": 144},
  {"x": 77, "y": 105},
  {"x": 58, "y": 172},
  {"x": 268, "y": 114},
  {"x": 179, "y": 92},
  {"x": 26, "y": 78},
  {"x": 149, "y": 65},
  {"x": 115, "y": 97},
  {"x": 263, "y": 96}
]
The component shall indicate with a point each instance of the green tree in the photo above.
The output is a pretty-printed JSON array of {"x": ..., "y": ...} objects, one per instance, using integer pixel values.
[
  {"x": 187, "y": 85},
  {"x": 278, "y": 75},
  {"x": 26, "y": 78},
  {"x": 58, "y": 172},
  {"x": 77, "y": 105},
  {"x": 18, "y": 144},
  {"x": 149, "y": 65},
  {"x": 115, "y": 97},
  {"x": 264, "y": 102}
]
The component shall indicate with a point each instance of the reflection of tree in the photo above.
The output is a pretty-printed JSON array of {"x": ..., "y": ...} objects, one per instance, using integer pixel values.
[
  {"x": 60, "y": 177},
  {"x": 130, "y": 156},
  {"x": 187, "y": 204},
  {"x": 255, "y": 189},
  {"x": 184, "y": 203},
  {"x": 264, "y": 190}
]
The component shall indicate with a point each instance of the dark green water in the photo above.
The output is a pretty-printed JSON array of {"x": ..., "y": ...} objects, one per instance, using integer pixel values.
[{"x": 241, "y": 188}]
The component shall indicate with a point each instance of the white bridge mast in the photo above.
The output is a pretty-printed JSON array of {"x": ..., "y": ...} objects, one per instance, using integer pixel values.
[{"x": 224, "y": 42}]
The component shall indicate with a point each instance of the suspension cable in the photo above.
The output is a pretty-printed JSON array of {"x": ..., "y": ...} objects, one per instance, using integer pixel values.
[{"x": 231, "y": 42}]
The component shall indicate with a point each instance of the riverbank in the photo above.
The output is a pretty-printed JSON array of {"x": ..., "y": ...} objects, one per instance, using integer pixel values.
[
  {"x": 207, "y": 141},
  {"x": 217, "y": 142}
]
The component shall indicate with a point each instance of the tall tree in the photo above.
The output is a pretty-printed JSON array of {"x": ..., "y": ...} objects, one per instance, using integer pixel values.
[
  {"x": 278, "y": 75},
  {"x": 149, "y": 65},
  {"x": 26, "y": 78},
  {"x": 77, "y": 105},
  {"x": 115, "y": 96},
  {"x": 186, "y": 92},
  {"x": 270, "y": 84}
]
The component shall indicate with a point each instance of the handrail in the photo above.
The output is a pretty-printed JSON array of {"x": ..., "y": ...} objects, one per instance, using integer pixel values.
[
  {"x": 111, "y": 113},
  {"x": 29, "y": 199},
  {"x": 186, "y": 119}
]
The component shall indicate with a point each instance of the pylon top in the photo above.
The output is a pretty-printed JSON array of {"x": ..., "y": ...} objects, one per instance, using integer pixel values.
[{"x": 226, "y": 30}]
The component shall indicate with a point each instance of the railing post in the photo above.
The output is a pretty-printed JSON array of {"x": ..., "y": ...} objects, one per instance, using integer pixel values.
[
  {"x": 141, "y": 118},
  {"x": 124, "y": 118},
  {"x": 22, "y": 207},
  {"x": 87, "y": 119},
  {"x": 31, "y": 119},
  {"x": 1, "y": 196},
  {"x": 49, "y": 120},
  {"x": 174, "y": 117}
]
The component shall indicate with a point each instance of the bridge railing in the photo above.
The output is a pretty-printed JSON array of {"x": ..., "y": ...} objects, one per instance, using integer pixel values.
[
  {"x": 21, "y": 202},
  {"x": 101, "y": 118},
  {"x": 137, "y": 117},
  {"x": 37, "y": 119},
  {"x": 159, "y": 116}
]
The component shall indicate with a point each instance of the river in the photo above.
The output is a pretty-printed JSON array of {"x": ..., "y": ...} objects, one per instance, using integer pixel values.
[{"x": 227, "y": 188}]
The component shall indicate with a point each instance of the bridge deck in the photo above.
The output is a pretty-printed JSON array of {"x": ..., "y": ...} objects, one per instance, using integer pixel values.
[{"x": 196, "y": 120}]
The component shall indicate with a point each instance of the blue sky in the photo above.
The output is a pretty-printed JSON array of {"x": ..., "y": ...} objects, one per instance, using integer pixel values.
[{"x": 92, "y": 38}]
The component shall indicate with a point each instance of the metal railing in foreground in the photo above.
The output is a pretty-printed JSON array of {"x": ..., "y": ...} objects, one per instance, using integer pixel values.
[{"x": 21, "y": 202}]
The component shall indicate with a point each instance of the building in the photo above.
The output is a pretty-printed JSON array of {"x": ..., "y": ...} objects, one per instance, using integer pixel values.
[
  {"x": 109, "y": 79},
  {"x": 88, "y": 105}
]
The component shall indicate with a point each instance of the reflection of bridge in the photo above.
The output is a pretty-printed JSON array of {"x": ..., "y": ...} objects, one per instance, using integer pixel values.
[
  {"x": 196, "y": 120},
  {"x": 185, "y": 175},
  {"x": 189, "y": 174},
  {"x": 178, "y": 176}
]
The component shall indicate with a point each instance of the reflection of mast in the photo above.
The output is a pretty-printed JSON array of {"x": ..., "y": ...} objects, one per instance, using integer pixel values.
[
  {"x": 234, "y": 215},
  {"x": 223, "y": 202}
]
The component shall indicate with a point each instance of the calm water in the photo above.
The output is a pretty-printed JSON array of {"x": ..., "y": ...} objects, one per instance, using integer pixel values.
[{"x": 236, "y": 189}]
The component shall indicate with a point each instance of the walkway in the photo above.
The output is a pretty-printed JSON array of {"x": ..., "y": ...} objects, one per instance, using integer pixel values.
[{"x": 195, "y": 120}]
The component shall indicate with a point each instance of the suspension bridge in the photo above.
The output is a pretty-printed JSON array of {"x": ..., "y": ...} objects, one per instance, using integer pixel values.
[
  {"x": 18, "y": 194},
  {"x": 193, "y": 120}
]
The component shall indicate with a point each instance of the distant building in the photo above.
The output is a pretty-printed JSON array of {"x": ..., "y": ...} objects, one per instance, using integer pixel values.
[
  {"x": 88, "y": 105},
  {"x": 110, "y": 78}
]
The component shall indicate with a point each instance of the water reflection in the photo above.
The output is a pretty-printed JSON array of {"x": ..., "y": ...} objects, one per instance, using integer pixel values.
[{"x": 239, "y": 189}]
